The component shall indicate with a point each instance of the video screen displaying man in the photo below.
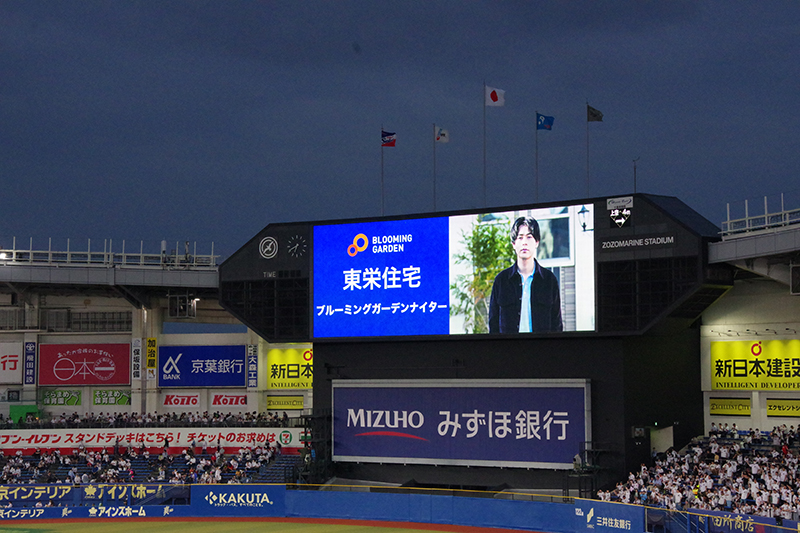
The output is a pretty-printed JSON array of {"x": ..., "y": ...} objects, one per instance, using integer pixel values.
[{"x": 525, "y": 296}]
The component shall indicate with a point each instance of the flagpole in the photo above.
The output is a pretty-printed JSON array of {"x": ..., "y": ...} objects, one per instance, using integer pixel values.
[
  {"x": 382, "y": 192},
  {"x": 587, "y": 148},
  {"x": 433, "y": 139},
  {"x": 484, "y": 142},
  {"x": 536, "y": 165}
]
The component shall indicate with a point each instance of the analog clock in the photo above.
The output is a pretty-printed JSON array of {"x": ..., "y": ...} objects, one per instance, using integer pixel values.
[{"x": 297, "y": 246}]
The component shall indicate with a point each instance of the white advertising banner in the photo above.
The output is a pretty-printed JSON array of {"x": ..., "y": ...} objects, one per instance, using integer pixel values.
[
  {"x": 11, "y": 363},
  {"x": 179, "y": 438}
]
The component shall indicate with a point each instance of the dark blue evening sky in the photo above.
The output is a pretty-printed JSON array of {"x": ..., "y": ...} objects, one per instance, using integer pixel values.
[{"x": 208, "y": 120}]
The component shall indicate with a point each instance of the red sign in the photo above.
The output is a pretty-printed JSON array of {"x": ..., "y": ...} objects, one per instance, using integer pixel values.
[
  {"x": 181, "y": 399},
  {"x": 85, "y": 364},
  {"x": 229, "y": 399}
]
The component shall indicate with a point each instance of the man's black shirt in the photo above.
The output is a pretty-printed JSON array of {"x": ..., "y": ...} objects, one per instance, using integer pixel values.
[{"x": 505, "y": 305}]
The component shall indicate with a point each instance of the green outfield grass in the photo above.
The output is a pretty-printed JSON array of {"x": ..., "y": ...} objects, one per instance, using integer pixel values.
[{"x": 177, "y": 525}]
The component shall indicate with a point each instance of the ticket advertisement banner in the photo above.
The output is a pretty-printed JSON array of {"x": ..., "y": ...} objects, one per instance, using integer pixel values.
[
  {"x": 16, "y": 439},
  {"x": 290, "y": 369},
  {"x": 755, "y": 365},
  {"x": 11, "y": 363},
  {"x": 201, "y": 366},
  {"x": 729, "y": 406},
  {"x": 84, "y": 364},
  {"x": 526, "y": 423}
]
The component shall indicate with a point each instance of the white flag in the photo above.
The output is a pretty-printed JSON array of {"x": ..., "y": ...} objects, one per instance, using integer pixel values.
[
  {"x": 442, "y": 135},
  {"x": 495, "y": 97}
]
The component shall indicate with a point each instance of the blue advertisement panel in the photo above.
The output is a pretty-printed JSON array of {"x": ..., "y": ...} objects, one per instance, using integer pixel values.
[
  {"x": 605, "y": 517},
  {"x": 239, "y": 500},
  {"x": 524, "y": 423},
  {"x": 722, "y": 522},
  {"x": 456, "y": 275},
  {"x": 99, "y": 512},
  {"x": 29, "y": 377},
  {"x": 201, "y": 366},
  {"x": 381, "y": 278}
]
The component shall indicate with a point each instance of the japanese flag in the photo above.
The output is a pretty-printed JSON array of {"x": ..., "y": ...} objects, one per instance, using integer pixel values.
[{"x": 495, "y": 97}]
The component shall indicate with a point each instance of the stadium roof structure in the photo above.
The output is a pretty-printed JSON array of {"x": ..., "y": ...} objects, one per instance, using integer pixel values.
[
  {"x": 137, "y": 276},
  {"x": 766, "y": 245}
]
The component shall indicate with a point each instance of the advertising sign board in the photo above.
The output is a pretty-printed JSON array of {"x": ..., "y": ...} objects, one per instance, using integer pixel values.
[
  {"x": 772, "y": 365},
  {"x": 789, "y": 408},
  {"x": 239, "y": 500},
  {"x": 290, "y": 368},
  {"x": 607, "y": 517},
  {"x": 252, "y": 366},
  {"x": 151, "y": 358},
  {"x": 201, "y": 366},
  {"x": 84, "y": 364},
  {"x": 136, "y": 359},
  {"x": 729, "y": 406},
  {"x": 60, "y": 397},
  {"x": 285, "y": 403},
  {"x": 11, "y": 363},
  {"x": 111, "y": 397},
  {"x": 510, "y": 423},
  {"x": 30, "y": 363}
]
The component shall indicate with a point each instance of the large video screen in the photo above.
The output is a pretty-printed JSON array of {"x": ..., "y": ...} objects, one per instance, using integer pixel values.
[{"x": 528, "y": 271}]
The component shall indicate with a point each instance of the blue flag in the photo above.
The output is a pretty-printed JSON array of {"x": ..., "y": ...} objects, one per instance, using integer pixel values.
[{"x": 544, "y": 122}]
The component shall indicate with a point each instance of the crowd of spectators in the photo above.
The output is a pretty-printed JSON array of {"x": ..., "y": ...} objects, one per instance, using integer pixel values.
[
  {"x": 150, "y": 420},
  {"x": 210, "y": 470},
  {"x": 117, "y": 466},
  {"x": 750, "y": 472}
]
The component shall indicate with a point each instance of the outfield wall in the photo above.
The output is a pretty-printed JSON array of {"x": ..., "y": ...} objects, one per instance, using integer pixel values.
[
  {"x": 275, "y": 501},
  {"x": 433, "y": 509},
  {"x": 114, "y": 501}
]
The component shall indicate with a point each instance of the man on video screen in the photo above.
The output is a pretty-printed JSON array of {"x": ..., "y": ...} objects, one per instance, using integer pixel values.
[{"x": 525, "y": 296}]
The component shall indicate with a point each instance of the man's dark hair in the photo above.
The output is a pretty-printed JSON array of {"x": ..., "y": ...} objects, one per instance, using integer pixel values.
[{"x": 531, "y": 224}]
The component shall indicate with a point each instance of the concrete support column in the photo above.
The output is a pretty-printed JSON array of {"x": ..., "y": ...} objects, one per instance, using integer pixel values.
[{"x": 147, "y": 324}]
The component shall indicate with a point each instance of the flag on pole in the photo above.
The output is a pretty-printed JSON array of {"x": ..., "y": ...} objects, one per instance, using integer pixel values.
[
  {"x": 442, "y": 135},
  {"x": 544, "y": 122},
  {"x": 388, "y": 138},
  {"x": 593, "y": 115},
  {"x": 495, "y": 97}
]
